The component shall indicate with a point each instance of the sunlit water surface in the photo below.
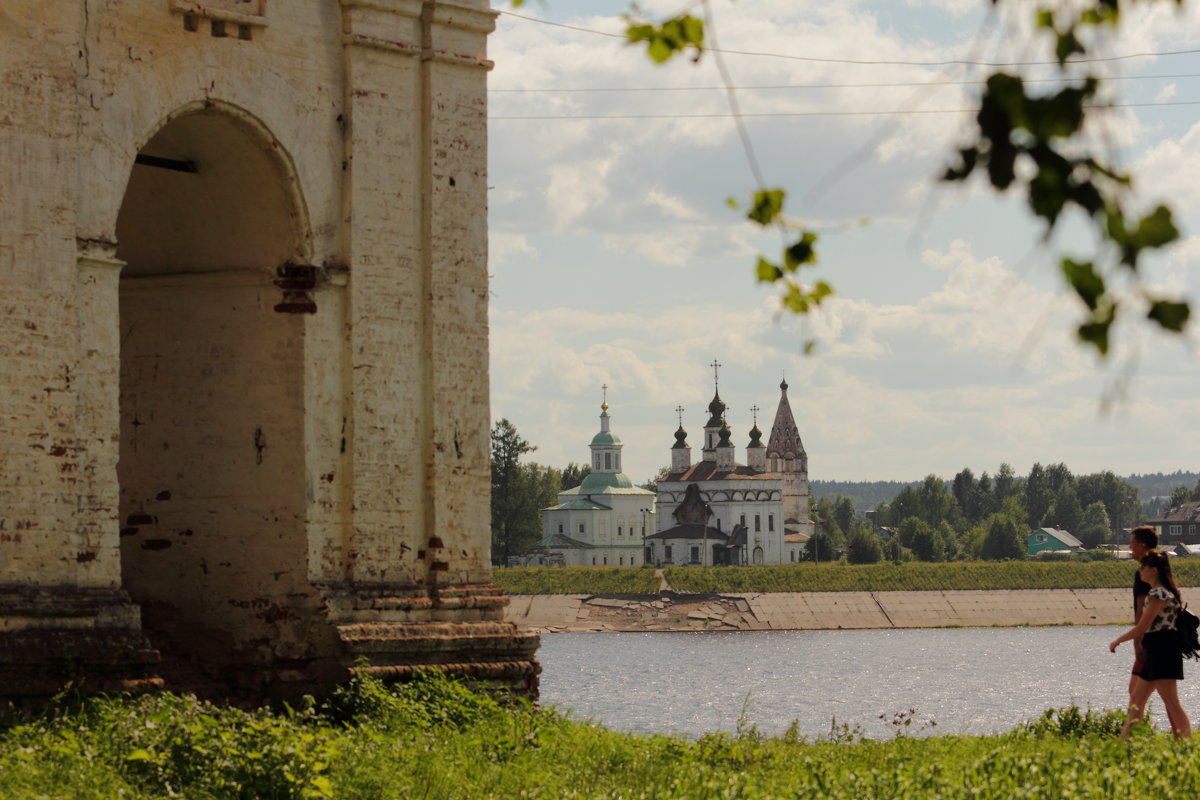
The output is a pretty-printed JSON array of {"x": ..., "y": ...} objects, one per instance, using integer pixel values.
[{"x": 966, "y": 680}]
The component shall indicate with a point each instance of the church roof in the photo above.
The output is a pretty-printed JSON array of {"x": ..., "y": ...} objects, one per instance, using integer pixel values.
[
  {"x": 578, "y": 504},
  {"x": 691, "y": 531},
  {"x": 708, "y": 471},
  {"x": 558, "y": 540},
  {"x": 604, "y": 438},
  {"x": 785, "y": 436},
  {"x": 604, "y": 484},
  {"x": 597, "y": 482}
]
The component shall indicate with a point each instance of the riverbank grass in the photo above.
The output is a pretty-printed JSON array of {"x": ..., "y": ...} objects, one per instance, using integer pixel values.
[
  {"x": 434, "y": 739},
  {"x": 912, "y": 576}
]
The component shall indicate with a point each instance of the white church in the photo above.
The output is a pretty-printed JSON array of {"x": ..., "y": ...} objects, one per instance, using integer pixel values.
[
  {"x": 718, "y": 512},
  {"x": 602, "y": 522}
]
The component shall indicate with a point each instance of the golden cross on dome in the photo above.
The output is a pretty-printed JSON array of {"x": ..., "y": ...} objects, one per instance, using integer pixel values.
[
  {"x": 679, "y": 411},
  {"x": 754, "y": 411},
  {"x": 716, "y": 365}
]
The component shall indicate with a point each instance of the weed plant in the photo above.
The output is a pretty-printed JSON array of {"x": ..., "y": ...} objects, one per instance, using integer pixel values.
[{"x": 434, "y": 739}]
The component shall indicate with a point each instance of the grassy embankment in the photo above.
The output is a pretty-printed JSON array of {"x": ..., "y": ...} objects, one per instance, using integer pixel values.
[
  {"x": 434, "y": 739},
  {"x": 836, "y": 577}
]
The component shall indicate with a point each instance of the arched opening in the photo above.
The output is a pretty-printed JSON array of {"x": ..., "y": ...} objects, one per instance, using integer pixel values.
[{"x": 211, "y": 471}]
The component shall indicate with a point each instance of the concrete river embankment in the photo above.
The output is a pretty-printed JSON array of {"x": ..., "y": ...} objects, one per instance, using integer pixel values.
[{"x": 670, "y": 611}]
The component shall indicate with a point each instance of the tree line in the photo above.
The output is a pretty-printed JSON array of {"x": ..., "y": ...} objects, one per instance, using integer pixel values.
[{"x": 985, "y": 517}]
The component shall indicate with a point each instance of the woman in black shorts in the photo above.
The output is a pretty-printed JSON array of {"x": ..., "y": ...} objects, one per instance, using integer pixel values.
[{"x": 1162, "y": 664}]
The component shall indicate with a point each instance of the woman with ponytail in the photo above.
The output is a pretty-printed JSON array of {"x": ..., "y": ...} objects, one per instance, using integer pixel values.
[{"x": 1162, "y": 665}]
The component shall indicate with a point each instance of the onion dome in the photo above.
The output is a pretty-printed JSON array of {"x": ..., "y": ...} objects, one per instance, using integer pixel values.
[
  {"x": 755, "y": 438},
  {"x": 716, "y": 410},
  {"x": 680, "y": 439},
  {"x": 725, "y": 434}
]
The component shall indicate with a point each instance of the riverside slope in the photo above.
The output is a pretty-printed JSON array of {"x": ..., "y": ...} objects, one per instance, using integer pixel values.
[{"x": 671, "y": 611}]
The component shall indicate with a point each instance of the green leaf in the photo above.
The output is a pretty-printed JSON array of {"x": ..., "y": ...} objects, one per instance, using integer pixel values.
[
  {"x": 767, "y": 272},
  {"x": 801, "y": 252},
  {"x": 673, "y": 36},
  {"x": 1171, "y": 315},
  {"x": 1095, "y": 330},
  {"x": 1067, "y": 45},
  {"x": 1156, "y": 228},
  {"x": 1083, "y": 279},
  {"x": 767, "y": 205},
  {"x": 968, "y": 157},
  {"x": 821, "y": 291}
]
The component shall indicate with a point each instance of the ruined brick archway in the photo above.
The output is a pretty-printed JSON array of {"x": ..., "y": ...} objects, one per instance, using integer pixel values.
[{"x": 211, "y": 469}]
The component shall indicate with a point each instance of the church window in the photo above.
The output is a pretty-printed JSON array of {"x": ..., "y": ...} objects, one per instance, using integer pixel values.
[
  {"x": 792, "y": 553},
  {"x": 619, "y": 529},
  {"x": 581, "y": 527},
  {"x": 593, "y": 561},
  {"x": 560, "y": 527},
  {"x": 757, "y": 522},
  {"x": 597, "y": 461},
  {"x": 608, "y": 460},
  {"x": 667, "y": 549},
  {"x": 695, "y": 554},
  {"x": 770, "y": 522},
  {"x": 622, "y": 561},
  {"x": 718, "y": 524},
  {"x": 618, "y": 462},
  {"x": 605, "y": 561},
  {"x": 743, "y": 519}
]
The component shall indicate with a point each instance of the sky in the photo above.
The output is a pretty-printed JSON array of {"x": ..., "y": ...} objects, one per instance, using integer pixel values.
[{"x": 616, "y": 259}]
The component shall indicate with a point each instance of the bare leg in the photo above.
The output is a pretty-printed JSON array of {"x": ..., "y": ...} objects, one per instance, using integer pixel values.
[
  {"x": 1168, "y": 690},
  {"x": 1137, "y": 704}
]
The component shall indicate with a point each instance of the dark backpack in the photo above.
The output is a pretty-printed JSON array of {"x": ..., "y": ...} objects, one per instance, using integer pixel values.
[{"x": 1187, "y": 625}]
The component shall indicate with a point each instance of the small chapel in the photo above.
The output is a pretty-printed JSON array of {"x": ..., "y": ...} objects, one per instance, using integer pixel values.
[{"x": 717, "y": 512}]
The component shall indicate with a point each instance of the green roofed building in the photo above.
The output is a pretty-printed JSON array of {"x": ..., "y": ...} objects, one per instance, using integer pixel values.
[{"x": 603, "y": 521}]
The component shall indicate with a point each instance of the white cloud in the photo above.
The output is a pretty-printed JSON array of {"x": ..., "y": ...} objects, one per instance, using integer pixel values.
[
  {"x": 574, "y": 189},
  {"x": 506, "y": 247}
]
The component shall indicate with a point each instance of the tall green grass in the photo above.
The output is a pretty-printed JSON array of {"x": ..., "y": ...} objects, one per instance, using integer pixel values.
[
  {"x": 576, "y": 580},
  {"x": 434, "y": 739},
  {"x": 913, "y": 576}
]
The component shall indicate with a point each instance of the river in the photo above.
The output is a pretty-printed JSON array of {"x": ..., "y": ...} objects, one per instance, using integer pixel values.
[{"x": 943, "y": 680}]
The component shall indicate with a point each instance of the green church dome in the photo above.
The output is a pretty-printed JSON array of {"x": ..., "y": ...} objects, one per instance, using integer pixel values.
[{"x": 597, "y": 482}]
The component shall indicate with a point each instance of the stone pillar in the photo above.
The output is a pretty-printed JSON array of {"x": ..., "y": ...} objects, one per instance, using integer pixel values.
[
  {"x": 64, "y": 620},
  {"x": 418, "y": 588}
]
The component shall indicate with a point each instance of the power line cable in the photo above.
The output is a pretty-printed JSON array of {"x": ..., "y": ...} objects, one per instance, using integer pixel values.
[
  {"x": 881, "y": 63},
  {"x": 781, "y": 86},
  {"x": 884, "y": 113}
]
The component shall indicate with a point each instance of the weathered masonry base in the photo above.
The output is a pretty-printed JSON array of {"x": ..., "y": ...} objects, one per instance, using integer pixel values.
[
  {"x": 668, "y": 611},
  {"x": 243, "y": 346}
]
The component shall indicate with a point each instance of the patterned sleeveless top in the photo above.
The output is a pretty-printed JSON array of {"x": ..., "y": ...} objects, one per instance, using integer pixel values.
[{"x": 1166, "y": 615}]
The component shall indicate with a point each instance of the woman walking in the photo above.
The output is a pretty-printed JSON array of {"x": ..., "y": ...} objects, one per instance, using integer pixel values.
[{"x": 1162, "y": 665}]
